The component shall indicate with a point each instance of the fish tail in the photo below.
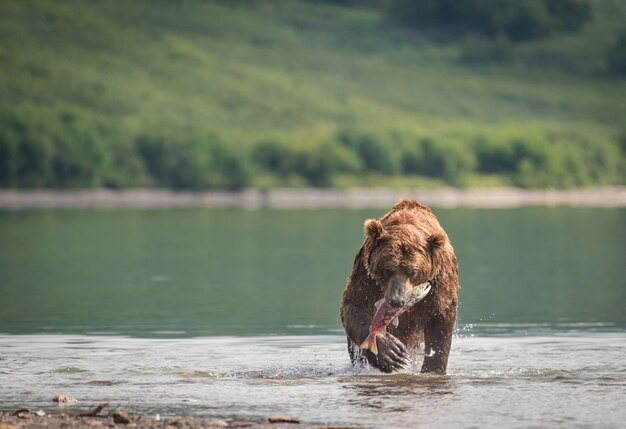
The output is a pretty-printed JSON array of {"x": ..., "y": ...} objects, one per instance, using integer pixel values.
[
  {"x": 365, "y": 344},
  {"x": 374, "y": 346},
  {"x": 370, "y": 343}
]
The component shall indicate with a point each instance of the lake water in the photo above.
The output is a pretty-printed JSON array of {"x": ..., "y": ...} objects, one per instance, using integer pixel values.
[{"x": 234, "y": 313}]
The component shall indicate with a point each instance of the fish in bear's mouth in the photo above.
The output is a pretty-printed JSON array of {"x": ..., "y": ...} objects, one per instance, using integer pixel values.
[{"x": 387, "y": 313}]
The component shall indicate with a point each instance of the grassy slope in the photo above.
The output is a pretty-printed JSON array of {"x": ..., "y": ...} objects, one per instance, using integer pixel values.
[{"x": 292, "y": 69}]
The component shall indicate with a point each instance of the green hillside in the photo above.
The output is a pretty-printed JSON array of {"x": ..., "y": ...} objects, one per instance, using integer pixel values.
[{"x": 200, "y": 94}]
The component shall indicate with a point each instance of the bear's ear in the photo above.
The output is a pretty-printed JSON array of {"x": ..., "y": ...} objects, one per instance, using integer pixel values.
[
  {"x": 373, "y": 228},
  {"x": 435, "y": 242}
]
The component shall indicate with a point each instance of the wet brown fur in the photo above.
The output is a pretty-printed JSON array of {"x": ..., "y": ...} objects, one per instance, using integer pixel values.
[{"x": 407, "y": 240}]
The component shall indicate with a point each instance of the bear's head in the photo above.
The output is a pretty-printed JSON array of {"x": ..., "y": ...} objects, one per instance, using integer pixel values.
[{"x": 401, "y": 253}]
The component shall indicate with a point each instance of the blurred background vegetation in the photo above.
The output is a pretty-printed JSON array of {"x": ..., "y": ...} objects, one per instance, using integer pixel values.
[{"x": 232, "y": 94}]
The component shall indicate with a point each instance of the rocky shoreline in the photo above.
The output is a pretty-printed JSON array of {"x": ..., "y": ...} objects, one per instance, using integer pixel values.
[
  {"x": 28, "y": 419},
  {"x": 356, "y": 198}
]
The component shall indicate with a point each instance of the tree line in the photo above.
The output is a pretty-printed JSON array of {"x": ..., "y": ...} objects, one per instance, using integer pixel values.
[{"x": 63, "y": 150}]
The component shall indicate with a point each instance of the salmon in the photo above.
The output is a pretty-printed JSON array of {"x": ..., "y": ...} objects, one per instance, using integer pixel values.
[{"x": 386, "y": 314}]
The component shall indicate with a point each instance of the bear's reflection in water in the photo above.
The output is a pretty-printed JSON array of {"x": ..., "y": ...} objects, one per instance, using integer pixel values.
[{"x": 378, "y": 389}]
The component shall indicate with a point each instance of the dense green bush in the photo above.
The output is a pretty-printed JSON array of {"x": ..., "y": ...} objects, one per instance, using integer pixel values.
[
  {"x": 477, "y": 50},
  {"x": 433, "y": 158},
  {"x": 12, "y": 134},
  {"x": 316, "y": 164},
  {"x": 534, "y": 160},
  {"x": 376, "y": 154},
  {"x": 81, "y": 154},
  {"x": 25, "y": 156},
  {"x": 50, "y": 149},
  {"x": 621, "y": 142},
  {"x": 517, "y": 20},
  {"x": 495, "y": 156},
  {"x": 551, "y": 161},
  {"x": 63, "y": 149},
  {"x": 66, "y": 149},
  {"x": 127, "y": 168},
  {"x": 319, "y": 164},
  {"x": 273, "y": 156},
  {"x": 616, "y": 55},
  {"x": 35, "y": 162},
  {"x": 569, "y": 15},
  {"x": 194, "y": 164},
  {"x": 448, "y": 159}
]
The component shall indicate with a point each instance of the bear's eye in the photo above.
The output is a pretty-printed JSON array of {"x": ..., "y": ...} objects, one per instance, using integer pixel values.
[
  {"x": 388, "y": 272},
  {"x": 412, "y": 273}
]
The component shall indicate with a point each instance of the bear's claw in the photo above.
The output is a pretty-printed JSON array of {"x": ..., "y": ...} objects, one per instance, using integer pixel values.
[{"x": 392, "y": 354}]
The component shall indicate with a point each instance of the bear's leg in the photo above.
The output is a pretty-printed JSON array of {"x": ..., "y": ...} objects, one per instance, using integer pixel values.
[
  {"x": 437, "y": 341},
  {"x": 356, "y": 356}
]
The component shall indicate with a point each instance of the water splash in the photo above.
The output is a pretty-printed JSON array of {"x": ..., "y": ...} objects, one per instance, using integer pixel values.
[
  {"x": 312, "y": 378},
  {"x": 68, "y": 370}
]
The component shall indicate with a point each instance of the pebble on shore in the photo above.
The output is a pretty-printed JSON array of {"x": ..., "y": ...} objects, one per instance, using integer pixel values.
[{"x": 26, "y": 419}]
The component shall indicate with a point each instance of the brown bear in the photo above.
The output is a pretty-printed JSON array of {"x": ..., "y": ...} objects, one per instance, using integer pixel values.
[{"x": 403, "y": 249}]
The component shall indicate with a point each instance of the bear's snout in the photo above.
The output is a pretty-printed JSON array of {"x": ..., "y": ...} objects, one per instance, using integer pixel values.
[
  {"x": 398, "y": 291},
  {"x": 395, "y": 302}
]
